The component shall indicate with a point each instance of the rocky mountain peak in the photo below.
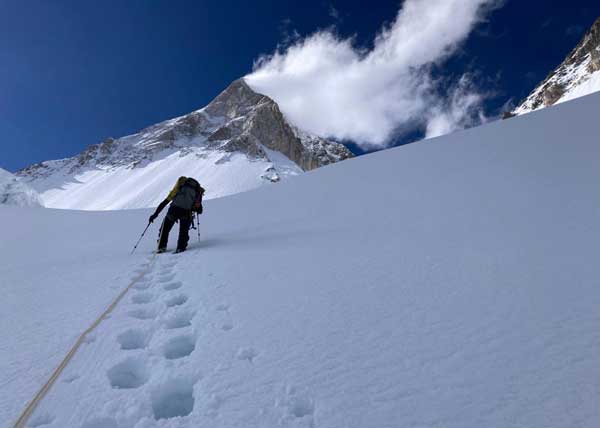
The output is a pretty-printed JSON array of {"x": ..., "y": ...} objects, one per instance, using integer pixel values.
[
  {"x": 235, "y": 101},
  {"x": 588, "y": 45},
  {"x": 575, "y": 71},
  {"x": 253, "y": 121},
  {"x": 238, "y": 123}
]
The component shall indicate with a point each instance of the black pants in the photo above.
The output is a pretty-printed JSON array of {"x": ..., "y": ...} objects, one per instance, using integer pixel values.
[{"x": 185, "y": 220}]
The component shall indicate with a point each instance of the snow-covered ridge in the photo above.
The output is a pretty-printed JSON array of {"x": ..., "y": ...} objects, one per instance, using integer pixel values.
[
  {"x": 578, "y": 75},
  {"x": 237, "y": 142},
  {"x": 14, "y": 192}
]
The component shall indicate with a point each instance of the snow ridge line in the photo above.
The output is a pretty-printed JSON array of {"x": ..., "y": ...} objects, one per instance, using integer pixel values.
[{"x": 20, "y": 423}]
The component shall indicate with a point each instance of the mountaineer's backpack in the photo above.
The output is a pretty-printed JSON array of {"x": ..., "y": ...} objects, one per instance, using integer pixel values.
[{"x": 189, "y": 196}]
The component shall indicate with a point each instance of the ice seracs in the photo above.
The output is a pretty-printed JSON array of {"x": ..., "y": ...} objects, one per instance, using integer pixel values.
[
  {"x": 238, "y": 142},
  {"x": 578, "y": 75},
  {"x": 14, "y": 192}
]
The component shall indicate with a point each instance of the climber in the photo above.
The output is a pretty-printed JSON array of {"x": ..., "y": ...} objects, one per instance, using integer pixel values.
[{"x": 186, "y": 199}]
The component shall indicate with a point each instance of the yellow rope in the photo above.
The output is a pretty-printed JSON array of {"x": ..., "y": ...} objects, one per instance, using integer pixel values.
[{"x": 44, "y": 390}]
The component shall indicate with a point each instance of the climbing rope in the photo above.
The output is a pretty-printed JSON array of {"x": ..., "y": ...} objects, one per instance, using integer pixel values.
[{"x": 20, "y": 423}]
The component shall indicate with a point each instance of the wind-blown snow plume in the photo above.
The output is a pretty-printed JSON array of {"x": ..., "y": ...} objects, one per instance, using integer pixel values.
[{"x": 327, "y": 85}]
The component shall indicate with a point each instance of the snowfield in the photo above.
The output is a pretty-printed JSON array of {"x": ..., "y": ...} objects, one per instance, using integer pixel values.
[
  {"x": 122, "y": 187},
  {"x": 448, "y": 283}
]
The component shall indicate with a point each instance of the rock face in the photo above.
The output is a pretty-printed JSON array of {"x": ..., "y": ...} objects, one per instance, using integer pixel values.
[
  {"x": 14, "y": 192},
  {"x": 576, "y": 76},
  {"x": 238, "y": 122},
  {"x": 264, "y": 125}
]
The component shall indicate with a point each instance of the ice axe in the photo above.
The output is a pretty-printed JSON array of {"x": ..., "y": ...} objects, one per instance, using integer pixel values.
[{"x": 139, "y": 240}]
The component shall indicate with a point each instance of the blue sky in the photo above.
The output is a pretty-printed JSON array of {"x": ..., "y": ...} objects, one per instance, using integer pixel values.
[{"x": 75, "y": 72}]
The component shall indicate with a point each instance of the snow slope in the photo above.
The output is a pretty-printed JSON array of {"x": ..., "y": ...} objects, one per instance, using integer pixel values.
[
  {"x": 448, "y": 283},
  {"x": 122, "y": 187},
  {"x": 14, "y": 192},
  {"x": 588, "y": 86}
]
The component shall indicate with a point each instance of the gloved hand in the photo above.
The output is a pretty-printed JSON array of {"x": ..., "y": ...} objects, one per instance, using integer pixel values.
[{"x": 152, "y": 218}]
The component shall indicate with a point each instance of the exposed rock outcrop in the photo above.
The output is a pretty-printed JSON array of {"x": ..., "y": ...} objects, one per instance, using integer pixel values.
[
  {"x": 256, "y": 120},
  {"x": 574, "y": 71}
]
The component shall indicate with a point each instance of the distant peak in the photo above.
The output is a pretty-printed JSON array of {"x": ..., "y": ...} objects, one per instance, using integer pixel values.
[
  {"x": 239, "y": 88},
  {"x": 241, "y": 84},
  {"x": 572, "y": 78},
  {"x": 234, "y": 100},
  {"x": 590, "y": 41}
]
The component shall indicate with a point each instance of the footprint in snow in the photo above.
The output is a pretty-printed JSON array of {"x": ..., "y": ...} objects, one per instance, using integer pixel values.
[
  {"x": 169, "y": 265},
  {"x": 100, "y": 423},
  {"x": 176, "y": 300},
  {"x": 179, "y": 347},
  {"x": 172, "y": 286},
  {"x": 129, "y": 374},
  {"x": 173, "y": 399},
  {"x": 142, "y": 285},
  {"x": 134, "y": 339},
  {"x": 227, "y": 326},
  {"x": 143, "y": 313},
  {"x": 166, "y": 278},
  {"x": 298, "y": 404},
  {"x": 248, "y": 354},
  {"x": 142, "y": 298},
  {"x": 181, "y": 319}
]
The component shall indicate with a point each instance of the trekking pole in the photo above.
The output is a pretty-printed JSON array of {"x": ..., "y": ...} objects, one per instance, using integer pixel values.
[
  {"x": 198, "y": 226},
  {"x": 139, "y": 240}
]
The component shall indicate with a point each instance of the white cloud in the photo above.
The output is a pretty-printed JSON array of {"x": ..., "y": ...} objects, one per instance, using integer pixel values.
[
  {"x": 459, "y": 110},
  {"x": 328, "y": 86}
]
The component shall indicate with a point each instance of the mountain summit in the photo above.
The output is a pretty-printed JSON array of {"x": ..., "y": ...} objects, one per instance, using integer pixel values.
[
  {"x": 236, "y": 143},
  {"x": 578, "y": 75}
]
